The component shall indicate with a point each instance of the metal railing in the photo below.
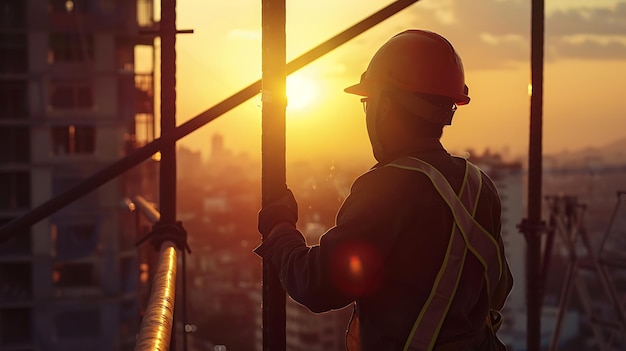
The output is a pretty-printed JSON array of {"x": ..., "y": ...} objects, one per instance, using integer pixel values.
[
  {"x": 156, "y": 326},
  {"x": 155, "y": 332}
]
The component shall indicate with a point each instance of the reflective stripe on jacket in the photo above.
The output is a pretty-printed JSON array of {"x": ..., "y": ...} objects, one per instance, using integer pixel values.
[{"x": 467, "y": 235}]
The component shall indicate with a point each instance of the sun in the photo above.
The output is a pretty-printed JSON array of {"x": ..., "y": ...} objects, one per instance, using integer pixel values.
[{"x": 301, "y": 92}]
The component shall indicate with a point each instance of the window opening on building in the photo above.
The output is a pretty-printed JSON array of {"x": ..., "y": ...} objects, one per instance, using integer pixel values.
[
  {"x": 15, "y": 282},
  {"x": 14, "y": 58},
  {"x": 74, "y": 239},
  {"x": 78, "y": 323},
  {"x": 124, "y": 53},
  {"x": 75, "y": 275},
  {"x": 72, "y": 139},
  {"x": 69, "y": 95},
  {"x": 13, "y": 99},
  {"x": 14, "y": 190},
  {"x": 15, "y": 144},
  {"x": 144, "y": 59},
  {"x": 70, "y": 47},
  {"x": 15, "y": 326},
  {"x": 20, "y": 244},
  {"x": 13, "y": 14},
  {"x": 144, "y": 100},
  {"x": 145, "y": 13}
]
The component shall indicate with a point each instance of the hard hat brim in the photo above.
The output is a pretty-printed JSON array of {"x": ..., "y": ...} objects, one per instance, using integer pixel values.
[
  {"x": 356, "y": 89},
  {"x": 360, "y": 88}
]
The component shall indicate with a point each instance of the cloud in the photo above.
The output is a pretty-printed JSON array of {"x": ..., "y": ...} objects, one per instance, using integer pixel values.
[
  {"x": 599, "y": 21},
  {"x": 592, "y": 49},
  {"x": 588, "y": 33},
  {"x": 505, "y": 26},
  {"x": 488, "y": 34},
  {"x": 496, "y": 33}
]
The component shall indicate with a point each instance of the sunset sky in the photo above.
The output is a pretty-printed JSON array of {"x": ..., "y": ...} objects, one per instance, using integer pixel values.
[{"x": 585, "y": 72}]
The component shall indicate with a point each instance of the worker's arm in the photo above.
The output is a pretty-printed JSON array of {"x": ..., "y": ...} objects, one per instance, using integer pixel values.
[{"x": 346, "y": 264}]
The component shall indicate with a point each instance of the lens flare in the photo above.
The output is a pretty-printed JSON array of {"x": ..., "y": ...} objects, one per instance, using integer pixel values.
[{"x": 356, "y": 266}]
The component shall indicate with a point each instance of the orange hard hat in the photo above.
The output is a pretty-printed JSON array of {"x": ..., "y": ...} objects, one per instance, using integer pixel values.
[{"x": 416, "y": 61}]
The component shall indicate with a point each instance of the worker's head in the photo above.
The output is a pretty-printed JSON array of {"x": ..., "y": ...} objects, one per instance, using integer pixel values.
[{"x": 411, "y": 89}]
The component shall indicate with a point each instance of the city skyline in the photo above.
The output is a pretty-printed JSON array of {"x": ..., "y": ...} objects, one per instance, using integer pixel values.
[
  {"x": 585, "y": 47},
  {"x": 320, "y": 190}
]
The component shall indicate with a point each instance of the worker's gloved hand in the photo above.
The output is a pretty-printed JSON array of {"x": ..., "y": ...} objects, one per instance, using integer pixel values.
[{"x": 284, "y": 209}]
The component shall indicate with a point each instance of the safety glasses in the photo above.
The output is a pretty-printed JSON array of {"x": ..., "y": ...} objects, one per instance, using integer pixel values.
[{"x": 364, "y": 101}]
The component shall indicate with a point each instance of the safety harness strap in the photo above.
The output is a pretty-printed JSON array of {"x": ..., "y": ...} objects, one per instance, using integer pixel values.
[{"x": 467, "y": 234}]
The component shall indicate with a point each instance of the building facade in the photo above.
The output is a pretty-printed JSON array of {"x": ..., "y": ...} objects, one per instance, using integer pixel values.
[
  {"x": 509, "y": 178},
  {"x": 74, "y": 97}
]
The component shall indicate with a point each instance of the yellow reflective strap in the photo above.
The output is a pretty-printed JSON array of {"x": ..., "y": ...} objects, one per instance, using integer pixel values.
[
  {"x": 478, "y": 176},
  {"x": 462, "y": 191},
  {"x": 470, "y": 198},
  {"x": 467, "y": 234},
  {"x": 491, "y": 240},
  {"x": 425, "y": 330},
  {"x": 477, "y": 239}
]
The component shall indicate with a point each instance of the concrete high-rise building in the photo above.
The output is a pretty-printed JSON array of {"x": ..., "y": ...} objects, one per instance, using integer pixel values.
[
  {"x": 509, "y": 178},
  {"x": 76, "y": 94}
]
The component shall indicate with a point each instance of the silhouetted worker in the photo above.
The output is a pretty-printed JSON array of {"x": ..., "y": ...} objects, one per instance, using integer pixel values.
[{"x": 417, "y": 243}]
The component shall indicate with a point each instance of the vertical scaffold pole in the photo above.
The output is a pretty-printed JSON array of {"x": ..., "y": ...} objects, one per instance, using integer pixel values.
[
  {"x": 533, "y": 227},
  {"x": 167, "y": 184},
  {"x": 273, "y": 170},
  {"x": 167, "y": 166}
]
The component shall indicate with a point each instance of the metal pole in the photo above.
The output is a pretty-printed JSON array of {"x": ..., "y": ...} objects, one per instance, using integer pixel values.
[
  {"x": 167, "y": 166},
  {"x": 167, "y": 170},
  {"x": 273, "y": 170},
  {"x": 534, "y": 283}
]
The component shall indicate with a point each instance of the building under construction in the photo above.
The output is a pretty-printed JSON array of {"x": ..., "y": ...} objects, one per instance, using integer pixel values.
[{"x": 71, "y": 101}]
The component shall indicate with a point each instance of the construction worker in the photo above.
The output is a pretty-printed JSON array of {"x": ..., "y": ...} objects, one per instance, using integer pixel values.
[{"x": 416, "y": 246}]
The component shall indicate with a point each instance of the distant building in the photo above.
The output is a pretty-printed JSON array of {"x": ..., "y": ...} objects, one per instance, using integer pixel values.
[
  {"x": 509, "y": 178},
  {"x": 71, "y": 102},
  {"x": 189, "y": 165},
  {"x": 307, "y": 331}
]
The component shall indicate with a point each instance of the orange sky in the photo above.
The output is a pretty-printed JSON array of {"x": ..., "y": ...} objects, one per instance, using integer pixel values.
[{"x": 584, "y": 74}]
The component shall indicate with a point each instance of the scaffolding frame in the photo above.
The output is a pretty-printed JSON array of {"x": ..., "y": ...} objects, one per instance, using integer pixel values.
[{"x": 567, "y": 222}]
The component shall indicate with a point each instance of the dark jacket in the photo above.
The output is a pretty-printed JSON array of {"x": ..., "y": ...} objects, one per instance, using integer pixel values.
[{"x": 385, "y": 250}]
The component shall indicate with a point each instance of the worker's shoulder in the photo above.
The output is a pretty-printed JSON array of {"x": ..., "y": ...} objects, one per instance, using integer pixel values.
[
  {"x": 391, "y": 179},
  {"x": 486, "y": 179}
]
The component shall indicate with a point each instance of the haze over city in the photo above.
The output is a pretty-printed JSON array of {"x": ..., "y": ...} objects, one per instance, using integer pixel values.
[
  {"x": 83, "y": 206},
  {"x": 585, "y": 65}
]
